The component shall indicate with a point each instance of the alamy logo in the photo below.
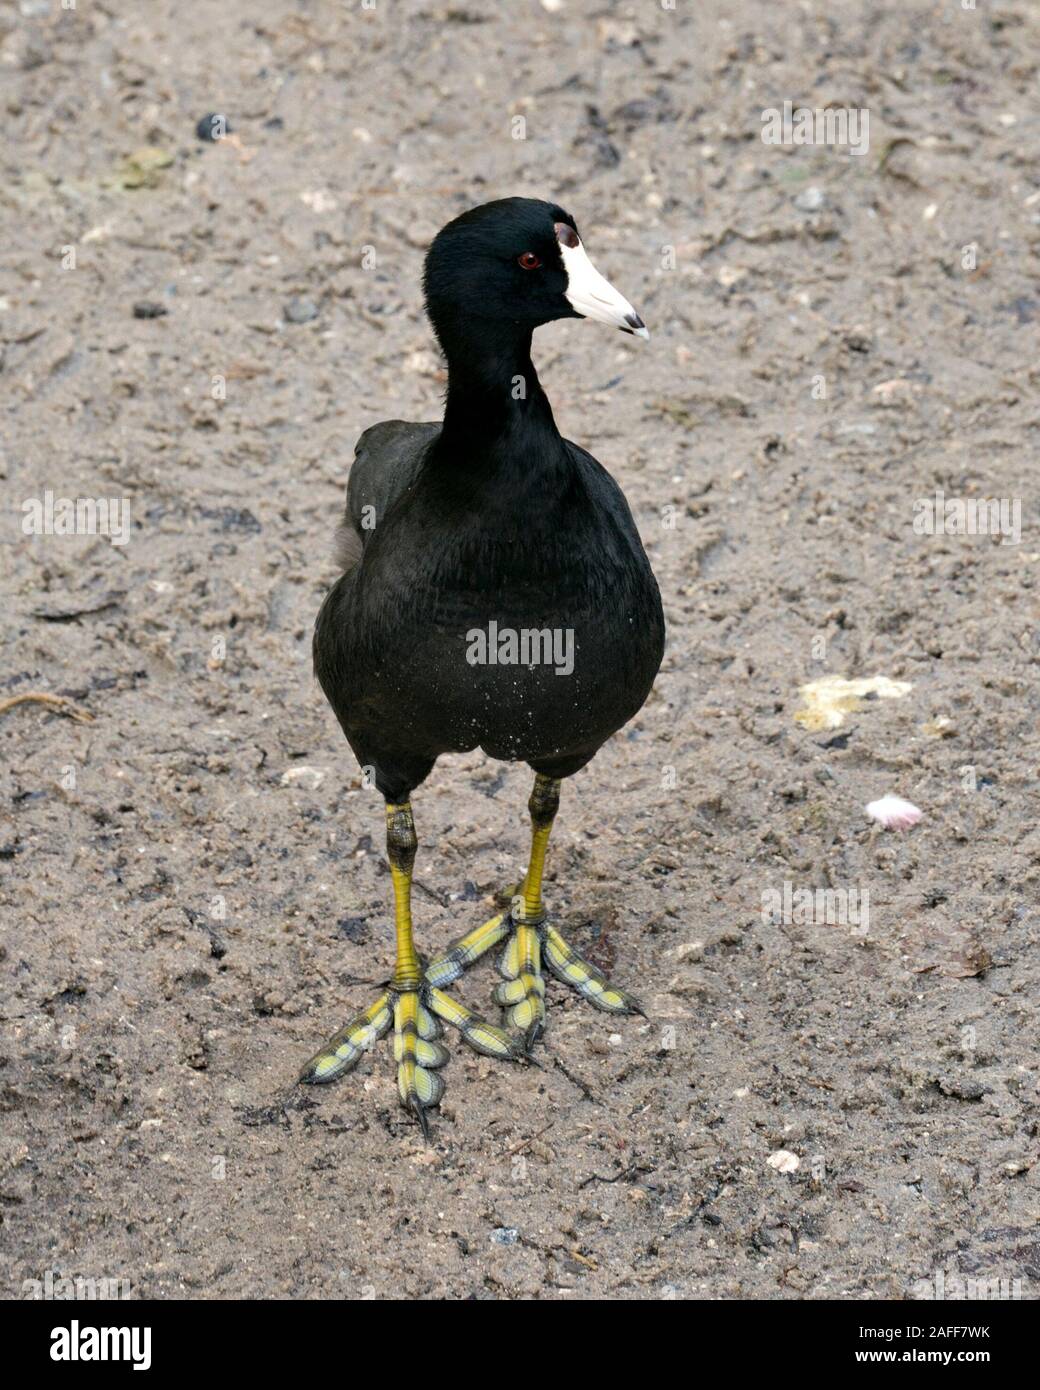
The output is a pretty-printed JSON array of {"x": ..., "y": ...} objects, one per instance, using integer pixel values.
[
  {"x": 76, "y": 1343},
  {"x": 818, "y": 907},
  {"x": 969, "y": 516},
  {"x": 83, "y": 516},
  {"x": 942, "y": 1286},
  {"x": 805, "y": 125},
  {"x": 528, "y": 646},
  {"x": 58, "y": 1287}
]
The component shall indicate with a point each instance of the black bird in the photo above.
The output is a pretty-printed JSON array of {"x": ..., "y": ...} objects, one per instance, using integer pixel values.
[{"x": 495, "y": 594}]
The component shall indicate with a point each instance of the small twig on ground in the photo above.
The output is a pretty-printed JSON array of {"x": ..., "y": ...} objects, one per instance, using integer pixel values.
[
  {"x": 632, "y": 1171},
  {"x": 57, "y": 702},
  {"x": 523, "y": 1144}
]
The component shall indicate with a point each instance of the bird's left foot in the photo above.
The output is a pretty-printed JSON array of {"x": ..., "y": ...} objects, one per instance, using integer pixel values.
[
  {"x": 530, "y": 939},
  {"x": 522, "y": 992}
]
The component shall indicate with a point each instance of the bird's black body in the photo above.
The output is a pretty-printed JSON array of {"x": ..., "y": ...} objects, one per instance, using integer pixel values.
[
  {"x": 527, "y": 532},
  {"x": 495, "y": 595}
]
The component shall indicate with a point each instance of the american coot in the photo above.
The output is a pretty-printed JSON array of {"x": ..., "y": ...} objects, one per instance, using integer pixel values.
[{"x": 495, "y": 594}]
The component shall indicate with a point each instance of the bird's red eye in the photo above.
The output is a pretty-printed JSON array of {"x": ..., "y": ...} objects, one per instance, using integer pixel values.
[{"x": 528, "y": 260}]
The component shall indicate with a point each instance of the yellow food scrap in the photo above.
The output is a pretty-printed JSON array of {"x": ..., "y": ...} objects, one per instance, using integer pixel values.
[
  {"x": 831, "y": 698},
  {"x": 939, "y": 728},
  {"x": 143, "y": 168}
]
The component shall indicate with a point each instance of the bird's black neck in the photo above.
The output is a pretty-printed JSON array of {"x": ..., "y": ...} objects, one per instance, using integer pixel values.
[{"x": 495, "y": 407}]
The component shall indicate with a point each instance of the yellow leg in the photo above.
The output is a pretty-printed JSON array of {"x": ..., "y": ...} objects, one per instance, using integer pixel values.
[
  {"x": 534, "y": 939},
  {"x": 401, "y": 845},
  {"x": 523, "y": 993},
  {"x": 543, "y": 805}
]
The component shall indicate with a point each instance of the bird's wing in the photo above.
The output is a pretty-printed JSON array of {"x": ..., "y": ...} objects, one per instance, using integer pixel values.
[
  {"x": 386, "y": 463},
  {"x": 605, "y": 490}
]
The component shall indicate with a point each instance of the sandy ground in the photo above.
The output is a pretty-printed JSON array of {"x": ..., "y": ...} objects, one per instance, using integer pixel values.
[{"x": 194, "y": 890}]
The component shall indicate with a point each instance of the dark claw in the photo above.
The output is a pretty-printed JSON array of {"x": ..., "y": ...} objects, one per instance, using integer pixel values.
[
  {"x": 532, "y": 1035},
  {"x": 420, "y": 1113}
]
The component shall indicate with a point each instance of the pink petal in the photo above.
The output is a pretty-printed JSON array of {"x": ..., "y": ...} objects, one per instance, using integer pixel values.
[{"x": 894, "y": 813}]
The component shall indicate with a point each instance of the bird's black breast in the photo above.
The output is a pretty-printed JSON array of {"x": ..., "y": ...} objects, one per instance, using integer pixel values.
[{"x": 523, "y": 619}]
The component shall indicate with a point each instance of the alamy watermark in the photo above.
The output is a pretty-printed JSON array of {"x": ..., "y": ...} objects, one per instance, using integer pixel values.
[
  {"x": 943, "y": 1285},
  {"x": 818, "y": 907},
  {"x": 806, "y": 125},
  {"x": 54, "y": 1286},
  {"x": 81, "y": 516},
  {"x": 80, "y": 1342},
  {"x": 969, "y": 516},
  {"x": 526, "y": 646}
]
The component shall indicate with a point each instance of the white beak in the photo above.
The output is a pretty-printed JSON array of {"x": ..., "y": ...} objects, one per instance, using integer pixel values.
[{"x": 590, "y": 295}]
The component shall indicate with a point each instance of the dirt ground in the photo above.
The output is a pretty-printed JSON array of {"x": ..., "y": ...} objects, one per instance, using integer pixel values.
[{"x": 194, "y": 889}]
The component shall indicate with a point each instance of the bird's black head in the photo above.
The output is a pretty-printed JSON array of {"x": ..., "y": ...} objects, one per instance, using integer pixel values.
[{"x": 517, "y": 261}]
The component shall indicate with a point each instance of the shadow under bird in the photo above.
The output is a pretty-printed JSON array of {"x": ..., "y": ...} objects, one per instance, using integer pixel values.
[{"x": 495, "y": 595}]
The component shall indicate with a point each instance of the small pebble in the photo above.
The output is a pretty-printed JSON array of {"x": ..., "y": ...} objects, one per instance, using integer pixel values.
[
  {"x": 784, "y": 1161},
  {"x": 811, "y": 200},
  {"x": 309, "y": 777},
  {"x": 301, "y": 310},
  {"x": 505, "y": 1235},
  {"x": 149, "y": 309}
]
